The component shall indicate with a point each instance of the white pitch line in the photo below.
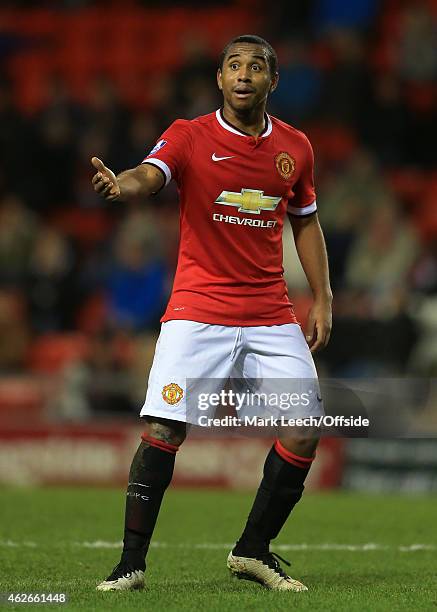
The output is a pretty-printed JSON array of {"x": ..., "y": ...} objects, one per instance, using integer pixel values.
[
  {"x": 368, "y": 547},
  {"x": 12, "y": 544},
  {"x": 99, "y": 544}
]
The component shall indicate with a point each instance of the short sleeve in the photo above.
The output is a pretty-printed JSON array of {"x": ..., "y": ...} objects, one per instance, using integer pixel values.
[
  {"x": 172, "y": 151},
  {"x": 304, "y": 201}
]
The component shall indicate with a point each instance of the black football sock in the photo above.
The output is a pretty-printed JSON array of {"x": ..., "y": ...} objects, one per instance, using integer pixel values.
[
  {"x": 150, "y": 474},
  {"x": 280, "y": 490}
]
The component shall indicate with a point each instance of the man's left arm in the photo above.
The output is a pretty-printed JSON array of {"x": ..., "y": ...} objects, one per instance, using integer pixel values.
[{"x": 311, "y": 249}]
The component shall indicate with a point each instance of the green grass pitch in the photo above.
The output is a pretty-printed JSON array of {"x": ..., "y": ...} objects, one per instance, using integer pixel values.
[{"x": 42, "y": 549}]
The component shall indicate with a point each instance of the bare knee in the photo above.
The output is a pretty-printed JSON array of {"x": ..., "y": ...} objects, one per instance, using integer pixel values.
[{"x": 171, "y": 432}]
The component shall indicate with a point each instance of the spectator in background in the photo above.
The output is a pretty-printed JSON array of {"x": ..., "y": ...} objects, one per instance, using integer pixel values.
[
  {"x": 164, "y": 100},
  {"x": 57, "y": 126},
  {"x": 17, "y": 142},
  {"x": 289, "y": 19},
  {"x": 381, "y": 258},
  {"x": 424, "y": 273},
  {"x": 417, "y": 68},
  {"x": 142, "y": 132},
  {"x": 107, "y": 115},
  {"x": 51, "y": 284},
  {"x": 338, "y": 13},
  {"x": 14, "y": 331},
  {"x": 17, "y": 229},
  {"x": 348, "y": 197},
  {"x": 298, "y": 96},
  {"x": 110, "y": 379},
  {"x": 196, "y": 92},
  {"x": 417, "y": 46},
  {"x": 347, "y": 82},
  {"x": 137, "y": 286},
  {"x": 384, "y": 125},
  {"x": 99, "y": 385},
  {"x": 360, "y": 180},
  {"x": 59, "y": 105}
]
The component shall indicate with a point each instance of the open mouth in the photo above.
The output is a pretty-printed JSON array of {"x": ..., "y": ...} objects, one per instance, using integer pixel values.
[{"x": 243, "y": 92}]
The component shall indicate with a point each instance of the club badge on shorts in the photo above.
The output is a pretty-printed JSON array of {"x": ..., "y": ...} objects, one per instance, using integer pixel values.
[
  {"x": 285, "y": 165},
  {"x": 172, "y": 393}
]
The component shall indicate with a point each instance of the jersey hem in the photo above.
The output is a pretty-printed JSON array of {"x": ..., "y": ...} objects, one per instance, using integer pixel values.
[{"x": 233, "y": 323}]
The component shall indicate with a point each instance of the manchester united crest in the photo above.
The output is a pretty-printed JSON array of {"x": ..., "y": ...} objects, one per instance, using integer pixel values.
[
  {"x": 172, "y": 393},
  {"x": 285, "y": 165}
]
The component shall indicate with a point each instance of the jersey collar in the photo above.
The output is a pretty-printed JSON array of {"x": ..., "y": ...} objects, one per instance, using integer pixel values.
[{"x": 230, "y": 128}]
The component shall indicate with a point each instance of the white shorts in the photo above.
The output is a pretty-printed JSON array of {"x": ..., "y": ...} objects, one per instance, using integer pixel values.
[{"x": 260, "y": 356}]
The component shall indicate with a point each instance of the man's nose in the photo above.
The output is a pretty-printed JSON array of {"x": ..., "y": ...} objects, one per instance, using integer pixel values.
[{"x": 244, "y": 74}]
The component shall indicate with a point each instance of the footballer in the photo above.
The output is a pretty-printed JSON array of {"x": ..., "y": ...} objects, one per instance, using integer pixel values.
[{"x": 240, "y": 173}]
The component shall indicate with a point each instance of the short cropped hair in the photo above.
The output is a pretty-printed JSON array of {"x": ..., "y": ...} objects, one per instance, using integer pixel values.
[{"x": 272, "y": 58}]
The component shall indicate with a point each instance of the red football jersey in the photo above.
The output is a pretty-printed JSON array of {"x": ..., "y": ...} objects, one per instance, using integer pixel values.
[{"x": 234, "y": 190}]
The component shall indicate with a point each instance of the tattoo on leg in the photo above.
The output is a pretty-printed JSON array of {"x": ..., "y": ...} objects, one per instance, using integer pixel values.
[{"x": 171, "y": 432}]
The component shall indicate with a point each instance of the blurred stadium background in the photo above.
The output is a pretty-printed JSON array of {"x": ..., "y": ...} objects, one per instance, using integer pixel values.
[{"x": 83, "y": 284}]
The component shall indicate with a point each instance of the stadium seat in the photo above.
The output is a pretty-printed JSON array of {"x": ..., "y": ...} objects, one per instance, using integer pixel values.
[
  {"x": 335, "y": 143},
  {"x": 21, "y": 401},
  {"x": 93, "y": 315},
  {"x": 30, "y": 71},
  {"x": 408, "y": 184},
  {"x": 145, "y": 41},
  {"x": 87, "y": 227},
  {"x": 40, "y": 22},
  {"x": 421, "y": 97},
  {"x": 52, "y": 352}
]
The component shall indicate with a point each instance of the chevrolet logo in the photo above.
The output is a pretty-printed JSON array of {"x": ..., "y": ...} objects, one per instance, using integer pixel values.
[{"x": 248, "y": 200}]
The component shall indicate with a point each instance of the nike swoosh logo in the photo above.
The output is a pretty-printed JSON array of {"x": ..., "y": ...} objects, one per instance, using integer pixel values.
[{"x": 215, "y": 158}]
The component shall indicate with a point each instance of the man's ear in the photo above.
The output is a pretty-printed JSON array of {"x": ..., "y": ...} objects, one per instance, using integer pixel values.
[
  {"x": 274, "y": 83},
  {"x": 219, "y": 79}
]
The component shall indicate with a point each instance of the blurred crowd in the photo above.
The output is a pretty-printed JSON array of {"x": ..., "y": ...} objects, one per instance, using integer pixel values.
[{"x": 83, "y": 284}]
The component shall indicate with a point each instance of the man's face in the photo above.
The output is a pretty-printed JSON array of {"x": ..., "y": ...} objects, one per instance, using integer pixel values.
[{"x": 245, "y": 78}]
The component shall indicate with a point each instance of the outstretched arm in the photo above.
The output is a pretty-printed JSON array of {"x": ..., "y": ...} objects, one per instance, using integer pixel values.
[
  {"x": 140, "y": 181},
  {"x": 310, "y": 246}
]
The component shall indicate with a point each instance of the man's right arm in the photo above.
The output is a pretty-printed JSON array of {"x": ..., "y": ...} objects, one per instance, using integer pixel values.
[{"x": 137, "y": 182}]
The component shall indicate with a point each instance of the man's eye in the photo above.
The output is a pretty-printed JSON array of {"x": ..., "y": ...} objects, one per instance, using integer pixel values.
[
  {"x": 234, "y": 66},
  {"x": 256, "y": 67}
]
